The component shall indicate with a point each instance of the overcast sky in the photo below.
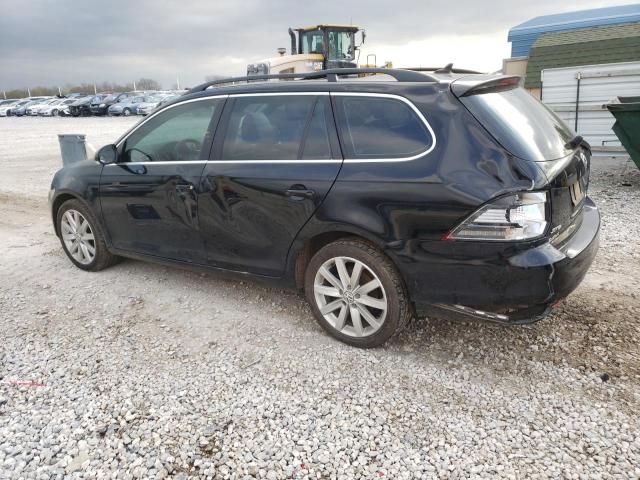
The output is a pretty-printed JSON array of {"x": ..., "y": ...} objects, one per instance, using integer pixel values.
[{"x": 55, "y": 42}]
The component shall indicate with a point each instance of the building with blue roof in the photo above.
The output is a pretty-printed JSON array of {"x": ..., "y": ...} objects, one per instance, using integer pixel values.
[
  {"x": 577, "y": 63},
  {"x": 582, "y": 38},
  {"x": 523, "y": 36}
]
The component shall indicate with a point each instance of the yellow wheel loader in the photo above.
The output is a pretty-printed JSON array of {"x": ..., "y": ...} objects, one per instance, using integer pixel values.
[{"x": 314, "y": 48}]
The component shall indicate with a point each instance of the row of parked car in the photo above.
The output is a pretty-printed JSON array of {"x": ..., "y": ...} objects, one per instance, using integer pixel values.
[{"x": 77, "y": 104}]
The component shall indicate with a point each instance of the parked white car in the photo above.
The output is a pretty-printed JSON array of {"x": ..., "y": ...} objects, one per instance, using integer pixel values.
[
  {"x": 6, "y": 105},
  {"x": 55, "y": 108},
  {"x": 32, "y": 110},
  {"x": 149, "y": 104},
  {"x": 5, "y": 110}
]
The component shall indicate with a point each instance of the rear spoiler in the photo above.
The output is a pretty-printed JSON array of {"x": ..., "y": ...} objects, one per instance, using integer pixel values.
[{"x": 477, "y": 84}]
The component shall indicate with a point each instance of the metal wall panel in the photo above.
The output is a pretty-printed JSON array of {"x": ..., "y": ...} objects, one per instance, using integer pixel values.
[{"x": 599, "y": 85}]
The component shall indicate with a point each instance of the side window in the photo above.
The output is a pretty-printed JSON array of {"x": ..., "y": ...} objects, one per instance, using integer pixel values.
[
  {"x": 376, "y": 127},
  {"x": 177, "y": 134},
  {"x": 267, "y": 127}
]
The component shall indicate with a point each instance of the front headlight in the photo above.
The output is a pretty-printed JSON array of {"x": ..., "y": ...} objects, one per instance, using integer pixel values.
[
  {"x": 519, "y": 216},
  {"x": 102, "y": 105}
]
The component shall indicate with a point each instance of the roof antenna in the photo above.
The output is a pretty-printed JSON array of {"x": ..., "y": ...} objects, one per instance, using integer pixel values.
[{"x": 446, "y": 69}]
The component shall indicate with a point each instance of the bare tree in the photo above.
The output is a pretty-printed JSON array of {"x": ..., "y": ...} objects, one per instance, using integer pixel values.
[
  {"x": 84, "y": 87},
  {"x": 148, "y": 84}
]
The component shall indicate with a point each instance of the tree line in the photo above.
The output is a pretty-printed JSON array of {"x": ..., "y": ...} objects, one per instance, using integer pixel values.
[{"x": 88, "y": 88}]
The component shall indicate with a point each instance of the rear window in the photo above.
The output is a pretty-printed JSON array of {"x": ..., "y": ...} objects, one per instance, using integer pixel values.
[
  {"x": 522, "y": 124},
  {"x": 378, "y": 127}
]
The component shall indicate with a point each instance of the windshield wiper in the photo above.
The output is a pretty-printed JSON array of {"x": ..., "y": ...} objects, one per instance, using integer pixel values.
[{"x": 574, "y": 142}]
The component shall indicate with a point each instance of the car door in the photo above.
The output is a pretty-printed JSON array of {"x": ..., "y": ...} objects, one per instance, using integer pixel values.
[
  {"x": 149, "y": 198},
  {"x": 275, "y": 158}
]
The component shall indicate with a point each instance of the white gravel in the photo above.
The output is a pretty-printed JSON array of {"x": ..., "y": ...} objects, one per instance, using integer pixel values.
[{"x": 143, "y": 371}]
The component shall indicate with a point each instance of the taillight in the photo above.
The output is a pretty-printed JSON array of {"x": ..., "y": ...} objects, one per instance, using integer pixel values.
[{"x": 518, "y": 216}]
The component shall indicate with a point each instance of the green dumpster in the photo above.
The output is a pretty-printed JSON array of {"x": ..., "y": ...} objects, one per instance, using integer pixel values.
[{"x": 627, "y": 126}]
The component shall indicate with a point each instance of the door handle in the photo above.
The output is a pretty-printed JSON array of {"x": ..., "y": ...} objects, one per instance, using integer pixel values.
[
  {"x": 184, "y": 188},
  {"x": 299, "y": 193}
]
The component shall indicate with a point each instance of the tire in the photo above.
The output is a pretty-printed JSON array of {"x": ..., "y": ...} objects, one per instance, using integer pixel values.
[
  {"x": 370, "y": 311},
  {"x": 126, "y": 112},
  {"x": 69, "y": 214},
  {"x": 54, "y": 113}
]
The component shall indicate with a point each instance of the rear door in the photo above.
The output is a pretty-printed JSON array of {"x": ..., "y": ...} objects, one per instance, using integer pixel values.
[
  {"x": 275, "y": 158},
  {"x": 149, "y": 198}
]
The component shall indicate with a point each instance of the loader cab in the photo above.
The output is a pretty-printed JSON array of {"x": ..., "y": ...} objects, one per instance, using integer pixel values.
[
  {"x": 336, "y": 44},
  {"x": 319, "y": 47}
]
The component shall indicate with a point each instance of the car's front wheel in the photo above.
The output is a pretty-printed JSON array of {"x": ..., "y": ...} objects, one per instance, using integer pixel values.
[
  {"x": 54, "y": 113},
  {"x": 81, "y": 237},
  {"x": 356, "y": 293},
  {"x": 126, "y": 112}
]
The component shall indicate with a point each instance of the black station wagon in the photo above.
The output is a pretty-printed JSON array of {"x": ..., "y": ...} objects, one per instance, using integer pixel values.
[{"x": 380, "y": 196}]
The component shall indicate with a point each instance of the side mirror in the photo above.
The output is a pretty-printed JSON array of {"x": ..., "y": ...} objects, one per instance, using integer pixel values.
[
  {"x": 364, "y": 36},
  {"x": 107, "y": 154}
]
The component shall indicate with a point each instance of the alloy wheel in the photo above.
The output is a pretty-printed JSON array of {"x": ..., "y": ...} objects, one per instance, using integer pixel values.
[
  {"x": 350, "y": 296},
  {"x": 78, "y": 237}
]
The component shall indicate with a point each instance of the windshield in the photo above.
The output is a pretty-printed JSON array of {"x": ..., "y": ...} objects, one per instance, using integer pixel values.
[
  {"x": 341, "y": 46},
  {"x": 312, "y": 42},
  {"x": 522, "y": 124}
]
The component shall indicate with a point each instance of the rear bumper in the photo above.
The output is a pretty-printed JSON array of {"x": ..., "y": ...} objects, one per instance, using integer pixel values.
[{"x": 492, "y": 277}]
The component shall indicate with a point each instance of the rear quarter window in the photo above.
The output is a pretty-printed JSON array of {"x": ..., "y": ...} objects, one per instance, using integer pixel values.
[
  {"x": 521, "y": 124},
  {"x": 380, "y": 127}
]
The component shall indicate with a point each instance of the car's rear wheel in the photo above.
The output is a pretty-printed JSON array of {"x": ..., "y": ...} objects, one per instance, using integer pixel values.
[
  {"x": 126, "y": 112},
  {"x": 81, "y": 237},
  {"x": 356, "y": 293},
  {"x": 54, "y": 113}
]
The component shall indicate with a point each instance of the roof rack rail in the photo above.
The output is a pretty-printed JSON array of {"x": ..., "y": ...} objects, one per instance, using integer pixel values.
[
  {"x": 441, "y": 70},
  {"x": 401, "y": 75}
]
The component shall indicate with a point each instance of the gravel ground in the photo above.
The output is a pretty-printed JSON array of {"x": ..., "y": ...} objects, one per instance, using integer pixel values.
[{"x": 143, "y": 371}]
